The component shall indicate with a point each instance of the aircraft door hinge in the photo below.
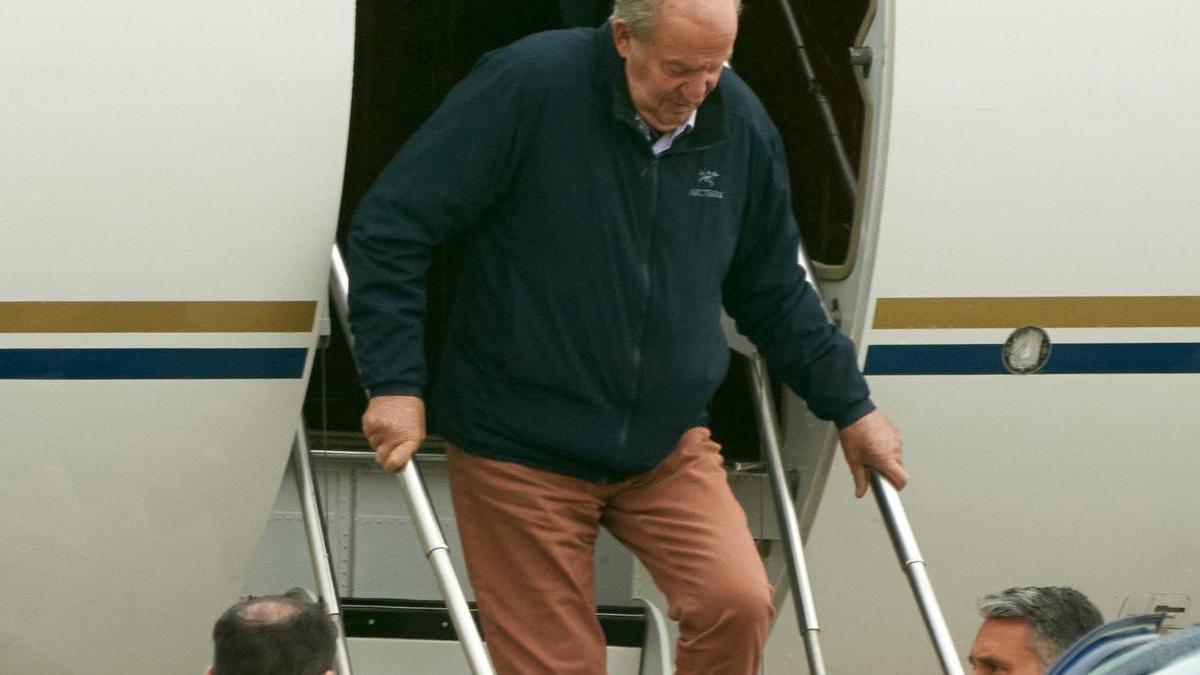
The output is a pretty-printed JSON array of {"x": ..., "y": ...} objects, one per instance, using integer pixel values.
[
  {"x": 862, "y": 56},
  {"x": 835, "y": 313}
]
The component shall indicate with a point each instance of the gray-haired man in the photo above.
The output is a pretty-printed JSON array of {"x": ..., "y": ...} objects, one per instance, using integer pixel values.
[
  {"x": 1026, "y": 629},
  {"x": 620, "y": 187}
]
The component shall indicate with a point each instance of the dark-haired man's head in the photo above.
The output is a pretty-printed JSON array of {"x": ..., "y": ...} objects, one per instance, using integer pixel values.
[
  {"x": 273, "y": 635},
  {"x": 1026, "y": 629}
]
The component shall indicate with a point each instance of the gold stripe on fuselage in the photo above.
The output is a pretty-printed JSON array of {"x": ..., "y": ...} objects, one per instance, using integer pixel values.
[
  {"x": 157, "y": 317},
  {"x": 1163, "y": 311}
]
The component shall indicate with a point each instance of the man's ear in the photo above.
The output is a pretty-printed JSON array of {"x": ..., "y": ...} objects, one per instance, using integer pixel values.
[
  {"x": 208, "y": 671},
  {"x": 622, "y": 38}
]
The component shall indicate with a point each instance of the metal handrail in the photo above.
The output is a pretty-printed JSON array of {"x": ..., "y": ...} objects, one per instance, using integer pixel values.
[
  {"x": 846, "y": 172},
  {"x": 364, "y": 456},
  {"x": 894, "y": 516},
  {"x": 905, "y": 543},
  {"x": 885, "y": 494},
  {"x": 318, "y": 544},
  {"x": 656, "y": 649},
  {"x": 789, "y": 526},
  {"x": 890, "y": 506},
  {"x": 417, "y": 498}
]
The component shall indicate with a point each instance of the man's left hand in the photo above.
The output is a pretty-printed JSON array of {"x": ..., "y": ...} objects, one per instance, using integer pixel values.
[{"x": 873, "y": 443}]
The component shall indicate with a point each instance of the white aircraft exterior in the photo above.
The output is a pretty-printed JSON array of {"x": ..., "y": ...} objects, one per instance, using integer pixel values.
[
  {"x": 1035, "y": 165},
  {"x": 168, "y": 194},
  {"x": 170, "y": 176}
]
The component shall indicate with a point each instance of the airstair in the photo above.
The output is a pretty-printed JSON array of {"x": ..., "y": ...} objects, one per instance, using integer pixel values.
[{"x": 390, "y": 635}]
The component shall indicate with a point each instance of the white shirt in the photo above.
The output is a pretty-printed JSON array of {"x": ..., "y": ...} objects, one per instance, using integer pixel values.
[{"x": 668, "y": 137}]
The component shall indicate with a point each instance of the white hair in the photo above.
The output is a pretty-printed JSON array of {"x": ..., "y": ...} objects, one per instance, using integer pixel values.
[{"x": 640, "y": 16}]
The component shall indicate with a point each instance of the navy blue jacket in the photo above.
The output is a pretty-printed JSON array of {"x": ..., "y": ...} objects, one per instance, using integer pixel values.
[{"x": 585, "y": 336}]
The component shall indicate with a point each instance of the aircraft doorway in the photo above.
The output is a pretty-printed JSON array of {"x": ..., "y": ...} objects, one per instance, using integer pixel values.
[{"x": 409, "y": 55}]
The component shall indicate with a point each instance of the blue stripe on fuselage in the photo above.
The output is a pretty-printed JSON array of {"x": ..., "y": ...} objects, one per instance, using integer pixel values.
[
  {"x": 152, "y": 364},
  {"x": 1065, "y": 359}
]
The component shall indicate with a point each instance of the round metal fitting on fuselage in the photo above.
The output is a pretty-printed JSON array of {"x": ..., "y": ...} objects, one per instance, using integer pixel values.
[{"x": 1026, "y": 350}]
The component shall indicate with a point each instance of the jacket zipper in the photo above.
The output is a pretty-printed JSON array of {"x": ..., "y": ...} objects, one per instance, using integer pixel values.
[{"x": 636, "y": 356}]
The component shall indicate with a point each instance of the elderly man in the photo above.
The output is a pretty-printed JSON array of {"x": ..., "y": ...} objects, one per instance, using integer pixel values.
[
  {"x": 273, "y": 635},
  {"x": 1026, "y": 629},
  {"x": 619, "y": 186}
]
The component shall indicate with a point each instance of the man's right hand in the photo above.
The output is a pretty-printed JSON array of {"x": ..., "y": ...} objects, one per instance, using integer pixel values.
[{"x": 395, "y": 427}]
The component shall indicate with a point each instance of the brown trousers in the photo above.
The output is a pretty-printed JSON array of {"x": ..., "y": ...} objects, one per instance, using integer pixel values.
[{"x": 529, "y": 538}]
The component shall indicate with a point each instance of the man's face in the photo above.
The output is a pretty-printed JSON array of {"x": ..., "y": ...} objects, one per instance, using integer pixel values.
[
  {"x": 671, "y": 71},
  {"x": 1003, "y": 646}
]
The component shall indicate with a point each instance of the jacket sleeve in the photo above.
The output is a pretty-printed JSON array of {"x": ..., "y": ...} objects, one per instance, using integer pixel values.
[
  {"x": 773, "y": 304},
  {"x": 438, "y": 185}
]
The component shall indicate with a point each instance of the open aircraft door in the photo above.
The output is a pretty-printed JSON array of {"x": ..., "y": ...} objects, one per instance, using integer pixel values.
[{"x": 1028, "y": 311}]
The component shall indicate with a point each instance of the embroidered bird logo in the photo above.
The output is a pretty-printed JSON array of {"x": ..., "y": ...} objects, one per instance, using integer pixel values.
[{"x": 708, "y": 178}]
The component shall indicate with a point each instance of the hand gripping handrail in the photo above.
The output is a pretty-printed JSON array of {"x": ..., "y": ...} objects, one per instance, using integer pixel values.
[
  {"x": 914, "y": 566},
  {"x": 420, "y": 508}
]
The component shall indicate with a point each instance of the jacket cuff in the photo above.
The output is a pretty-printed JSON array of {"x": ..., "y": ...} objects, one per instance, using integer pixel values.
[
  {"x": 394, "y": 389},
  {"x": 853, "y": 413}
]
